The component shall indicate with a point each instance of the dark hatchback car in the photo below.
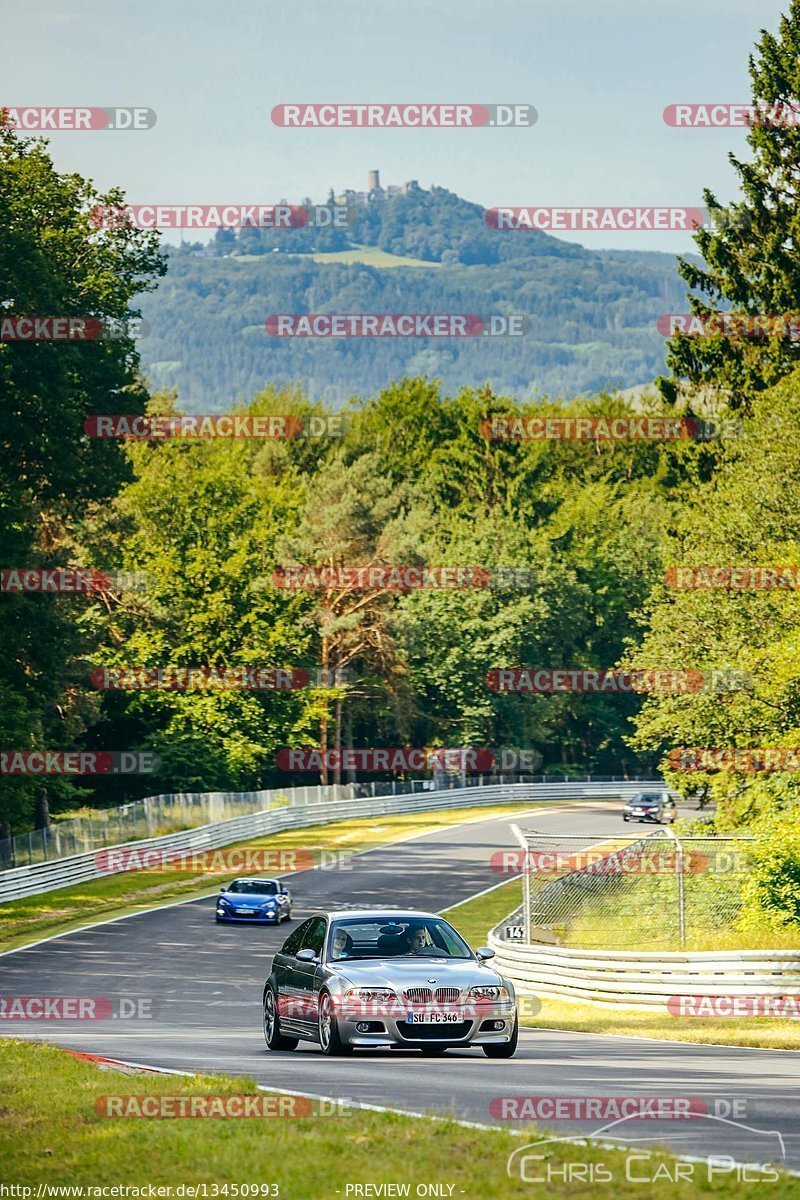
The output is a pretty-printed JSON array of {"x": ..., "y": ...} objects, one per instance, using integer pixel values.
[{"x": 658, "y": 807}]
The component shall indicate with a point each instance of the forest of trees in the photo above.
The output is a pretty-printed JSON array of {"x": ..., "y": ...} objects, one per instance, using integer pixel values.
[
  {"x": 592, "y": 314},
  {"x": 412, "y": 480}
]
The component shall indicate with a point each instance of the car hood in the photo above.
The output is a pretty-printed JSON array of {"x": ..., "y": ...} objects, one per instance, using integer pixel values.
[
  {"x": 246, "y": 901},
  {"x": 401, "y": 973}
]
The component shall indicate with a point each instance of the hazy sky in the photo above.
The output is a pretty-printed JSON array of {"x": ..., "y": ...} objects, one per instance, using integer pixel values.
[{"x": 600, "y": 75}]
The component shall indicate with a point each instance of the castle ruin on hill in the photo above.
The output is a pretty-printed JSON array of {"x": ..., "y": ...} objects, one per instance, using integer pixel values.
[{"x": 374, "y": 191}]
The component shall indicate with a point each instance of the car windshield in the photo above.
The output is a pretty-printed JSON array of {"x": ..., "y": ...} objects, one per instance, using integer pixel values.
[
  {"x": 254, "y": 887},
  {"x": 395, "y": 937},
  {"x": 648, "y": 801}
]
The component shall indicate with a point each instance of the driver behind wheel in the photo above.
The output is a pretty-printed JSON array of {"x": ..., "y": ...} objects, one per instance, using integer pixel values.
[
  {"x": 342, "y": 944},
  {"x": 416, "y": 941}
]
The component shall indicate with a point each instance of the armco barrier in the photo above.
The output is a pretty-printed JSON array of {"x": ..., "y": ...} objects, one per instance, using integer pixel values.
[
  {"x": 644, "y": 979},
  {"x": 341, "y": 804}
]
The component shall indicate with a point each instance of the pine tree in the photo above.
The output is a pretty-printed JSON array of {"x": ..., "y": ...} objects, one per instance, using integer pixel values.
[{"x": 751, "y": 250}]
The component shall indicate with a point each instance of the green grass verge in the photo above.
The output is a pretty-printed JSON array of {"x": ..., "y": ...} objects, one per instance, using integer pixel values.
[
  {"x": 52, "y": 1133},
  {"x": 767, "y": 1032},
  {"x": 22, "y": 921},
  {"x": 474, "y": 918}
]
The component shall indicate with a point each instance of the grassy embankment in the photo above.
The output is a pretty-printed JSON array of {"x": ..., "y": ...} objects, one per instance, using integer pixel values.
[{"x": 52, "y": 1133}]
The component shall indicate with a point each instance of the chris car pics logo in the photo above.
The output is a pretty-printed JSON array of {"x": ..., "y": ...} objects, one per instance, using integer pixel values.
[{"x": 742, "y": 1154}]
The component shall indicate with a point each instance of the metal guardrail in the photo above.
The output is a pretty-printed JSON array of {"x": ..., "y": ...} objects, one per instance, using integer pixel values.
[
  {"x": 157, "y": 815},
  {"x": 332, "y": 803},
  {"x": 643, "y": 980}
]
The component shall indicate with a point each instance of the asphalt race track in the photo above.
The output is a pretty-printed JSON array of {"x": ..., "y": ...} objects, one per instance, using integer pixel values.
[{"x": 203, "y": 984}]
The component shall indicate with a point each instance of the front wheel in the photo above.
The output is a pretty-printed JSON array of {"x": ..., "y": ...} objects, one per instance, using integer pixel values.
[
  {"x": 504, "y": 1049},
  {"x": 329, "y": 1037},
  {"x": 272, "y": 1029}
]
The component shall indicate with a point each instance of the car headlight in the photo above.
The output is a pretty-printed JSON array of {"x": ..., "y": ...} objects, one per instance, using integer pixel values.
[
  {"x": 223, "y": 904},
  {"x": 489, "y": 993},
  {"x": 370, "y": 995},
  {"x": 269, "y": 904}
]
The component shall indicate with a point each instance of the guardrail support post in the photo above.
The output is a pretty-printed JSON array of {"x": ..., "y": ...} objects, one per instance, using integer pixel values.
[{"x": 526, "y": 880}]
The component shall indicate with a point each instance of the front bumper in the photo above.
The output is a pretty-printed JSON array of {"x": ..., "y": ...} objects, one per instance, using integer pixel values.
[
  {"x": 257, "y": 917},
  {"x": 477, "y": 1026}
]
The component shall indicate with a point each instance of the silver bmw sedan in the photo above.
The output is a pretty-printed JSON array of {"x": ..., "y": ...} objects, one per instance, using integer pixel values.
[{"x": 386, "y": 978}]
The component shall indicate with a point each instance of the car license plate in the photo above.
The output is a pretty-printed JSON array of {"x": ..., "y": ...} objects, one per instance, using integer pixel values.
[
  {"x": 244, "y": 912},
  {"x": 433, "y": 1018}
]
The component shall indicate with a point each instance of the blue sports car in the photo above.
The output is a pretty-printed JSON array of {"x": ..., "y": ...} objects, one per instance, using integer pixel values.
[{"x": 254, "y": 900}]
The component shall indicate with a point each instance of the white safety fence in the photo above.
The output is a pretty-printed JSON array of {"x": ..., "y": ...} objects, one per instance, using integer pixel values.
[
  {"x": 333, "y": 803},
  {"x": 642, "y": 979}
]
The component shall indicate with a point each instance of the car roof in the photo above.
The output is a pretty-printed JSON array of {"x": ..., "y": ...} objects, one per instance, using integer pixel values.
[{"x": 370, "y": 913}]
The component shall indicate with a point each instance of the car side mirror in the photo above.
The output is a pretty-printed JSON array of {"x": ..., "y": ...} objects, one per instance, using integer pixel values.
[
  {"x": 223, "y": 887},
  {"x": 484, "y": 952},
  {"x": 306, "y": 956}
]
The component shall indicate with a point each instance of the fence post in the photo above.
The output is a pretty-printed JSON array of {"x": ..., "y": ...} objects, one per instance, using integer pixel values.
[{"x": 681, "y": 894}]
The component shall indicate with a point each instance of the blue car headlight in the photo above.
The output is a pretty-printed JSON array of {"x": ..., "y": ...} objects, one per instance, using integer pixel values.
[
  {"x": 269, "y": 906},
  {"x": 223, "y": 903}
]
